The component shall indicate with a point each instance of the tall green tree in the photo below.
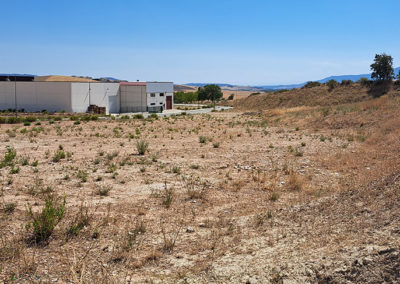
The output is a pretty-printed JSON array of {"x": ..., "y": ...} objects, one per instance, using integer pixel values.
[
  {"x": 210, "y": 92},
  {"x": 382, "y": 68}
]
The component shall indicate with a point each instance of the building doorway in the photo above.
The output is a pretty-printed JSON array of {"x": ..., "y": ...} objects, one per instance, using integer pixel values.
[{"x": 169, "y": 102}]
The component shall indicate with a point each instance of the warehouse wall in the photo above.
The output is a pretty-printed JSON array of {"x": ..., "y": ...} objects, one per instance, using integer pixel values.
[
  {"x": 36, "y": 96},
  {"x": 133, "y": 98},
  {"x": 101, "y": 94}
]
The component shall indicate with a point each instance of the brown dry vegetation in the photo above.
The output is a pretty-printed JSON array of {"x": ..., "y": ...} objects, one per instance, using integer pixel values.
[
  {"x": 317, "y": 96},
  {"x": 305, "y": 194}
]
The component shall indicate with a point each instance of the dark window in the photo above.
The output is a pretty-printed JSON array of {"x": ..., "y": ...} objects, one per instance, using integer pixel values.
[
  {"x": 153, "y": 104},
  {"x": 161, "y": 94},
  {"x": 152, "y": 95}
]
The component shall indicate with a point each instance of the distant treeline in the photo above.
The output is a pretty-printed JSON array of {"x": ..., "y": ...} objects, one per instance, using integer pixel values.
[{"x": 183, "y": 98}]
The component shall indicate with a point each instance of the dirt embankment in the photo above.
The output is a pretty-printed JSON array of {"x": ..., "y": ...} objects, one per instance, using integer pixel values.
[{"x": 316, "y": 96}]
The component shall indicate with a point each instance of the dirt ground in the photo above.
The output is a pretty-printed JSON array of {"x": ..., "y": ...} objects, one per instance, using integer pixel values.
[{"x": 301, "y": 195}]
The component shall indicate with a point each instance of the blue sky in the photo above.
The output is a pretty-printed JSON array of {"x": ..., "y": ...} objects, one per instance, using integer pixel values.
[{"x": 242, "y": 42}]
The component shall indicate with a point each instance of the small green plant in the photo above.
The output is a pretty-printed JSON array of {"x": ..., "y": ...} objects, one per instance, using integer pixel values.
[
  {"x": 167, "y": 196},
  {"x": 176, "y": 170},
  {"x": 42, "y": 224},
  {"x": 9, "y": 156},
  {"x": 60, "y": 154},
  {"x": 216, "y": 144},
  {"x": 142, "y": 146},
  {"x": 203, "y": 139},
  {"x": 82, "y": 175},
  {"x": 14, "y": 170}
]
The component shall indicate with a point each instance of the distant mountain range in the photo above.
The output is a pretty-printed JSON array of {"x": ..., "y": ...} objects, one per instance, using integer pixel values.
[{"x": 339, "y": 78}]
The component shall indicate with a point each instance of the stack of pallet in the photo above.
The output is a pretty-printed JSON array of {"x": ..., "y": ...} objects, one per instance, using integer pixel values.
[{"x": 96, "y": 109}]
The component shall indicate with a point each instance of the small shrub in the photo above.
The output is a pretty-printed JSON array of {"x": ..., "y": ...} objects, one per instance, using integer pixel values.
[
  {"x": 274, "y": 196},
  {"x": 295, "y": 182},
  {"x": 365, "y": 82},
  {"x": 346, "y": 82},
  {"x": 43, "y": 223},
  {"x": 142, "y": 146},
  {"x": 332, "y": 84},
  {"x": 104, "y": 190},
  {"x": 203, "y": 139},
  {"x": 82, "y": 175},
  {"x": 80, "y": 221},
  {"x": 196, "y": 188},
  {"x": 14, "y": 170},
  {"x": 138, "y": 116},
  {"x": 216, "y": 144},
  {"x": 167, "y": 196},
  {"x": 60, "y": 154},
  {"x": 312, "y": 84},
  {"x": 9, "y": 156},
  {"x": 9, "y": 208}
]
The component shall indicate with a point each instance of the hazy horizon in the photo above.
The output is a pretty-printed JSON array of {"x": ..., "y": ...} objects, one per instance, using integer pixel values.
[{"x": 252, "y": 43}]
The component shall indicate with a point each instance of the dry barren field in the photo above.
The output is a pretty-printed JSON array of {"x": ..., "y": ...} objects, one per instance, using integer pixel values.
[{"x": 295, "y": 195}]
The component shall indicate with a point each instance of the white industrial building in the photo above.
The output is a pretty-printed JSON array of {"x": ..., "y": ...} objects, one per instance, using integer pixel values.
[{"x": 76, "y": 97}]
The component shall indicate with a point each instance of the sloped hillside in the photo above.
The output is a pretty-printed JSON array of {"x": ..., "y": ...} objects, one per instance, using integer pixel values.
[
  {"x": 58, "y": 78},
  {"x": 316, "y": 96}
]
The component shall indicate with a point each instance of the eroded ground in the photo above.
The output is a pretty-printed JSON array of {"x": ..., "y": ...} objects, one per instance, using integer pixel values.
[{"x": 295, "y": 195}]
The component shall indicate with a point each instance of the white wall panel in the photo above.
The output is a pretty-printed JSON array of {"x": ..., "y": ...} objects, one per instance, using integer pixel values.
[
  {"x": 36, "y": 96},
  {"x": 99, "y": 95}
]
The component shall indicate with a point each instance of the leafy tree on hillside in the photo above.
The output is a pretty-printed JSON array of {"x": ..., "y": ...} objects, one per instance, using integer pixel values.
[
  {"x": 332, "y": 84},
  {"x": 398, "y": 76},
  {"x": 210, "y": 92},
  {"x": 382, "y": 68}
]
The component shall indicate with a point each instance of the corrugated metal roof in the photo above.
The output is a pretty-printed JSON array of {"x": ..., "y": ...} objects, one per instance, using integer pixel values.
[{"x": 133, "y": 83}]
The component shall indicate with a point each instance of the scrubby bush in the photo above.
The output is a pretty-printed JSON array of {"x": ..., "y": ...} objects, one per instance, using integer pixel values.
[
  {"x": 60, "y": 154},
  {"x": 43, "y": 223},
  {"x": 13, "y": 120},
  {"x": 142, "y": 146},
  {"x": 312, "y": 84},
  {"x": 332, "y": 84},
  {"x": 231, "y": 96},
  {"x": 365, "y": 82},
  {"x": 9, "y": 156},
  {"x": 138, "y": 116},
  {"x": 346, "y": 82},
  {"x": 203, "y": 139}
]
